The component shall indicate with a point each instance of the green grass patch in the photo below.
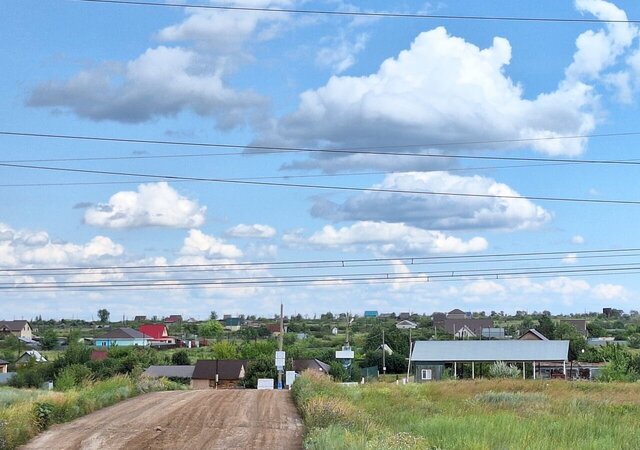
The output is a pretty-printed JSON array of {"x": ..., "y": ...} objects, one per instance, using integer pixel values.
[{"x": 480, "y": 414}]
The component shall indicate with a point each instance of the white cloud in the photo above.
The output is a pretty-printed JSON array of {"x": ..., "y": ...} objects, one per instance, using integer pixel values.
[
  {"x": 130, "y": 92},
  {"x": 22, "y": 247},
  {"x": 577, "y": 239},
  {"x": 599, "y": 50},
  {"x": 441, "y": 89},
  {"x": 437, "y": 211},
  {"x": 607, "y": 291},
  {"x": 340, "y": 53},
  {"x": 484, "y": 288},
  {"x": 570, "y": 258},
  {"x": 386, "y": 239},
  {"x": 168, "y": 79},
  {"x": 153, "y": 204},
  {"x": 202, "y": 245},
  {"x": 252, "y": 231}
]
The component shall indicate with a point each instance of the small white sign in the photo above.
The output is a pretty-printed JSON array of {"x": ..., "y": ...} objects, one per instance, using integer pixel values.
[
  {"x": 265, "y": 383},
  {"x": 344, "y": 354},
  {"x": 280, "y": 355},
  {"x": 290, "y": 377}
]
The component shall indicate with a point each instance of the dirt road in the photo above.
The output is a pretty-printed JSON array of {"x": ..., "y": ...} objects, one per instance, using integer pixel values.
[{"x": 207, "y": 419}]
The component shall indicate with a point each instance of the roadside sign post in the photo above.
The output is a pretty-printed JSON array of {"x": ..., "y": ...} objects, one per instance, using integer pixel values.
[{"x": 280, "y": 358}]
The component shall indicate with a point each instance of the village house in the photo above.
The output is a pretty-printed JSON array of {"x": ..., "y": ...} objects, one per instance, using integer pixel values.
[
  {"x": 274, "y": 328},
  {"x": 18, "y": 328},
  {"x": 4, "y": 366},
  {"x": 231, "y": 323},
  {"x": 218, "y": 373},
  {"x": 122, "y": 337},
  {"x": 313, "y": 365},
  {"x": 460, "y": 324},
  {"x": 173, "y": 318},
  {"x": 185, "y": 372},
  {"x": 158, "y": 334},
  {"x": 30, "y": 355},
  {"x": 430, "y": 359},
  {"x": 533, "y": 335},
  {"x": 579, "y": 324}
]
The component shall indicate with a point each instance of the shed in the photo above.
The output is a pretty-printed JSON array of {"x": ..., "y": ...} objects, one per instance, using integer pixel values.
[
  {"x": 218, "y": 373},
  {"x": 314, "y": 365},
  {"x": 430, "y": 358}
]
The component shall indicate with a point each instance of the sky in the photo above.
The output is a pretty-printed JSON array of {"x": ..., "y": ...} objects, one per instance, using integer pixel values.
[{"x": 375, "y": 92}]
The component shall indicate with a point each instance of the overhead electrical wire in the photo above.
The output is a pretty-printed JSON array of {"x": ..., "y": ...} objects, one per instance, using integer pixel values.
[
  {"x": 322, "y": 186},
  {"x": 424, "y": 277},
  {"x": 343, "y": 262},
  {"x": 503, "y": 271},
  {"x": 371, "y": 14},
  {"x": 369, "y": 150}
]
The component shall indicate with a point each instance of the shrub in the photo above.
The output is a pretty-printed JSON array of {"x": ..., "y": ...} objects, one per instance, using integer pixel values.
[
  {"x": 501, "y": 369},
  {"x": 180, "y": 358},
  {"x": 323, "y": 411},
  {"x": 43, "y": 412}
]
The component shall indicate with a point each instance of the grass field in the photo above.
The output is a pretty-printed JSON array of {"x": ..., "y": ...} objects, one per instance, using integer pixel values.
[
  {"x": 26, "y": 412},
  {"x": 480, "y": 414}
]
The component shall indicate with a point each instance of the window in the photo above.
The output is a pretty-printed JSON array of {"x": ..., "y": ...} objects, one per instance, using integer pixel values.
[{"x": 425, "y": 374}]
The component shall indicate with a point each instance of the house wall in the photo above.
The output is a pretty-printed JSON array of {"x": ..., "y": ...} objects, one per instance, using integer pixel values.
[
  {"x": 3, "y": 368},
  {"x": 200, "y": 384},
  {"x": 121, "y": 342},
  {"x": 436, "y": 371},
  {"x": 528, "y": 336}
]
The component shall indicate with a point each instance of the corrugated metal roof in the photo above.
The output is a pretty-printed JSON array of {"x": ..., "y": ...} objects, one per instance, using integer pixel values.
[{"x": 461, "y": 351}]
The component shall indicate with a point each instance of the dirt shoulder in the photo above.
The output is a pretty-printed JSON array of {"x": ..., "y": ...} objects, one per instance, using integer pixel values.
[{"x": 206, "y": 419}]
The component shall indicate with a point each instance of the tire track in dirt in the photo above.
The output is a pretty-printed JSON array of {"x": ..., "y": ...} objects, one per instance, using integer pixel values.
[{"x": 203, "y": 419}]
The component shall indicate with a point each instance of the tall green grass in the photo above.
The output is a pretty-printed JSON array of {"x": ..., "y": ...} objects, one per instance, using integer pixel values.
[
  {"x": 26, "y": 412},
  {"x": 481, "y": 414}
]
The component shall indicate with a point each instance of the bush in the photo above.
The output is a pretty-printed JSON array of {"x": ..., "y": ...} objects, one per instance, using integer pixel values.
[
  {"x": 501, "y": 369},
  {"x": 180, "y": 358},
  {"x": 43, "y": 412}
]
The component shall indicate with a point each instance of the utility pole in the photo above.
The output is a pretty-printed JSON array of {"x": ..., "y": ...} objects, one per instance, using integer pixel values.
[
  {"x": 280, "y": 342},
  {"x": 384, "y": 364}
]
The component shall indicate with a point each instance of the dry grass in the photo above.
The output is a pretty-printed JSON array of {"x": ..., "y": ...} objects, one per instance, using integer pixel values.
[{"x": 480, "y": 414}]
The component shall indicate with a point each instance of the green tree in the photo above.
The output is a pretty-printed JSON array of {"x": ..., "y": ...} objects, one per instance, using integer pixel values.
[
  {"x": 260, "y": 368},
  {"x": 225, "y": 350},
  {"x": 180, "y": 358},
  {"x": 577, "y": 342},
  {"x": 49, "y": 339},
  {"x": 213, "y": 315},
  {"x": 210, "y": 329},
  {"x": 338, "y": 372},
  {"x": 103, "y": 315},
  {"x": 546, "y": 327}
]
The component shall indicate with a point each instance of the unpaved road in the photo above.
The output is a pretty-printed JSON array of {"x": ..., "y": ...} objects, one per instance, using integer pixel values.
[{"x": 206, "y": 419}]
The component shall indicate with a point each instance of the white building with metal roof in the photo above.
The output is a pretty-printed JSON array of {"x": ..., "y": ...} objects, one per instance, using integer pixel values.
[{"x": 431, "y": 358}]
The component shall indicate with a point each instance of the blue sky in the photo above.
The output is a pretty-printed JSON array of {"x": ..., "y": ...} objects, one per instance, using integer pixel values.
[{"x": 273, "y": 79}]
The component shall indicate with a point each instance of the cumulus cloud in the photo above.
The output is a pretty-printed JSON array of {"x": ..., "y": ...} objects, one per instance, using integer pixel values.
[
  {"x": 130, "y": 92},
  {"x": 168, "y": 79},
  {"x": 606, "y": 291},
  {"x": 385, "y": 239},
  {"x": 340, "y": 52},
  {"x": 441, "y": 89},
  {"x": 252, "y": 231},
  {"x": 152, "y": 205},
  {"x": 22, "y": 247},
  {"x": 599, "y": 50},
  {"x": 203, "y": 245},
  {"x": 437, "y": 211}
]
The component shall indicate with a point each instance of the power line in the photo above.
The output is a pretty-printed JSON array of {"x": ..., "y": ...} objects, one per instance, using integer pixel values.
[
  {"x": 424, "y": 277},
  {"x": 194, "y": 270},
  {"x": 344, "y": 262},
  {"x": 345, "y": 150},
  {"x": 363, "y": 13},
  {"x": 502, "y": 271},
  {"x": 322, "y": 186}
]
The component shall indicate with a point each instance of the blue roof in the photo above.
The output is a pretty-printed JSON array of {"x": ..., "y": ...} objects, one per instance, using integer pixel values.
[{"x": 507, "y": 350}]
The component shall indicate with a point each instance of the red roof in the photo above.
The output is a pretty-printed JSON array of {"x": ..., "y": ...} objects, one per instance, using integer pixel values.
[{"x": 155, "y": 330}]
